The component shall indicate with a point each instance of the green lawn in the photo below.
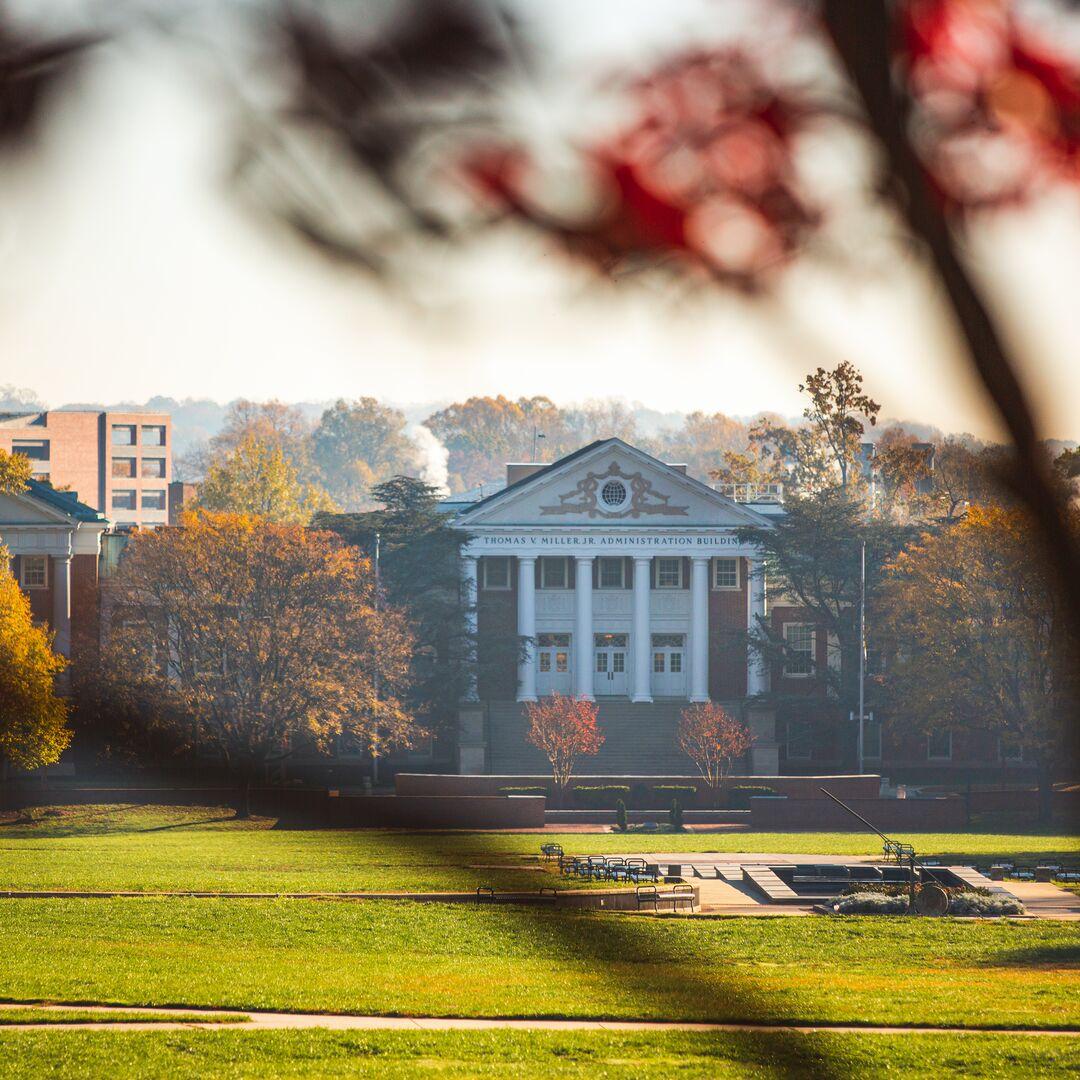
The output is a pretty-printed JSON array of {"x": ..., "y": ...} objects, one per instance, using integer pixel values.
[
  {"x": 395, "y": 957},
  {"x": 19, "y": 1017},
  {"x": 150, "y": 848},
  {"x": 454, "y": 1056}
]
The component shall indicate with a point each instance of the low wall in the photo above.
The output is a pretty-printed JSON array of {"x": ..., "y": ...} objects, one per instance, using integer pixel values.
[
  {"x": 436, "y": 812},
  {"x": 642, "y": 788},
  {"x": 920, "y": 815}
]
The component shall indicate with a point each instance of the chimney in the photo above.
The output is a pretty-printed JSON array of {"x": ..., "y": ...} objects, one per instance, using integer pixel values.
[
  {"x": 518, "y": 470},
  {"x": 677, "y": 466}
]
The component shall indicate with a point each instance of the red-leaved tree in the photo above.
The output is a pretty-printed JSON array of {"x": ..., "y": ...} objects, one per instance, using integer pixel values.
[
  {"x": 711, "y": 737},
  {"x": 564, "y": 728}
]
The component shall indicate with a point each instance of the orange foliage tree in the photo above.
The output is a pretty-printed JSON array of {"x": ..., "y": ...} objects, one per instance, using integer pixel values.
[
  {"x": 711, "y": 737},
  {"x": 564, "y": 728},
  {"x": 256, "y": 640}
]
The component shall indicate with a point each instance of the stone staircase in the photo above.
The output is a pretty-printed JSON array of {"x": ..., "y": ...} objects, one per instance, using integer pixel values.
[{"x": 638, "y": 739}]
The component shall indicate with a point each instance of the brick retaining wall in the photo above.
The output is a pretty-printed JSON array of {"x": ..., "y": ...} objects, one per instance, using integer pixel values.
[
  {"x": 642, "y": 787},
  {"x": 437, "y": 812},
  {"x": 921, "y": 815}
]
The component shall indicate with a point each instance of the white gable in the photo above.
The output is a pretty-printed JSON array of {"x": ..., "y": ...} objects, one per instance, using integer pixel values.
[
  {"x": 612, "y": 484},
  {"x": 24, "y": 510}
]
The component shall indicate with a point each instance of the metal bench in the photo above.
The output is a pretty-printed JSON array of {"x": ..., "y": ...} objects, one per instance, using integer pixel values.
[
  {"x": 681, "y": 894},
  {"x": 551, "y": 851}
]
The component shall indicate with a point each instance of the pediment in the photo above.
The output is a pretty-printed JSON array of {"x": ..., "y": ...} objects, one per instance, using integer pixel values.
[
  {"x": 25, "y": 510},
  {"x": 610, "y": 484}
]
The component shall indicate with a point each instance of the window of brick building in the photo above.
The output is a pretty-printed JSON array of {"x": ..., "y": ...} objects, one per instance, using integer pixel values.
[
  {"x": 34, "y": 571},
  {"x": 154, "y": 467},
  {"x": 153, "y": 500},
  {"x": 799, "y": 639},
  {"x": 153, "y": 434},
  {"x": 124, "y": 499},
  {"x": 123, "y": 434},
  {"x": 610, "y": 575},
  {"x": 553, "y": 574},
  {"x": 34, "y": 449},
  {"x": 939, "y": 746},
  {"x": 725, "y": 573},
  {"x": 669, "y": 573},
  {"x": 496, "y": 572},
  {"x": 123, "y": 467}
]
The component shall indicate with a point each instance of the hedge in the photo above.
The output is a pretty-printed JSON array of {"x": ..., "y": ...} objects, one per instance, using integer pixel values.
[{"x": 600, "y": 796}]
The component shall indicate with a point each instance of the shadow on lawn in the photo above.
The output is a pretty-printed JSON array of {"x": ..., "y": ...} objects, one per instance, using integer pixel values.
[
  {"x": 1051, "y": 956},
  {"x": 613, "y": 941}
]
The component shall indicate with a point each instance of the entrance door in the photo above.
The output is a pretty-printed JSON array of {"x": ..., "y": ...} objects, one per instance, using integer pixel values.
[
  {"x": 552, "y": 663},
  {"x": 609, "y": 670},
  {"x": 669, "y": 665}
]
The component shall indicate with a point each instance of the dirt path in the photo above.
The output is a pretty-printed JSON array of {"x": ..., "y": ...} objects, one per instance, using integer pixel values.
[{"x": 276, "y": 1021}]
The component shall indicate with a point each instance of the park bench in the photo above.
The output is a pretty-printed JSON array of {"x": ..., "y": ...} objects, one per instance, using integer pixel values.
[
  {"x": 653, "y": 895},
  {"x": 551, "y": 851}
]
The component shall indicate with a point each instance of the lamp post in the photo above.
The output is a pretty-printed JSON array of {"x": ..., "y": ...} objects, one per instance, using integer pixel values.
[
  {"x": 375, "y": 561},
  {"x": 537, "y": 434},
  {"x": 862, "y": 649}
]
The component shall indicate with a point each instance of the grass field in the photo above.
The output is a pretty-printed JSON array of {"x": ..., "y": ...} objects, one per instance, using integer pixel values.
[
  {"x": 392, "y": 957},
  {"x": 401, "y": 1056},
  {"x": 19, "y": 1017},
  {"x": 151, "y": 848}
]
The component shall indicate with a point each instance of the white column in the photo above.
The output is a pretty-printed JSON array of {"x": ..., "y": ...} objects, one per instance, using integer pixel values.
[
  {"x": 642, "y": 642},
  {"x": 757, "y": 675},
  {"x": 61, "y": 618},
  {"x": 526, "y": 628},
  {"x": 583, "y": 628},
  {"x": 699, "y": 629},
  {"x": 468, "y": 598}
]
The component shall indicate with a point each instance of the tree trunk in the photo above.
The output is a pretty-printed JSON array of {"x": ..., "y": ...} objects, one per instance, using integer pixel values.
[{"x": 243, "y": 809}]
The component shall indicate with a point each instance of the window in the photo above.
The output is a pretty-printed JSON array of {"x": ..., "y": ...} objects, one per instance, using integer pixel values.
[
  {"x": 614, "y": 495},
  {"x": 34, "y": 571},
  {"x": 939, "y": 746},
  {"x": 611, "y": 572},
  {"x": 668, "y": 641},
  {"x": 871, "y": 739},
  {"x": 123, "y": 467},
  {"x": 800, "y": 739},
  {"x": 496, "y": 572},
  {"x": 658, "y": 661},
  {"x": 725, "y": 573},
  {"x": 553, "y": 573},
  {"x": 669, "y": 573},
  {"x": 553, "y": 641},
  {"x": 154, "y": 467},
  {"x": 153, "y": 500},
  {"x": 153, "y": 434},
  {"x": 123, "y": 434},
  {"x": 123, "y": 499},
  {"x": 34, "y": 449},
  {"x": 799, "y": 639},
  {"x": 611, "y": 641}
]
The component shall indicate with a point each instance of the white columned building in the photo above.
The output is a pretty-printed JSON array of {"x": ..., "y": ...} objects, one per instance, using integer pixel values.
[{"x": 625, "y": 578}]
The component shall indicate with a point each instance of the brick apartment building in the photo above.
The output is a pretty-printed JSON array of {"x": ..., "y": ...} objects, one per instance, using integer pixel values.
[{"x": 118, "y": 463}]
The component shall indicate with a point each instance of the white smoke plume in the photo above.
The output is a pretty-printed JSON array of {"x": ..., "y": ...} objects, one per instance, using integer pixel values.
[{"x": 433, "y": 456}]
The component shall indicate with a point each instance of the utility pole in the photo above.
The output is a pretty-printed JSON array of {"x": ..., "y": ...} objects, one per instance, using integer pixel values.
[
  {"x": 375, "y": 560},
  {"x": 862, "y": 650}
]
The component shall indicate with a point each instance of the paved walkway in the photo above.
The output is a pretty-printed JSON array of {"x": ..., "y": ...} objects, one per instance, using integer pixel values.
[{"x": 262, "y": 1021}]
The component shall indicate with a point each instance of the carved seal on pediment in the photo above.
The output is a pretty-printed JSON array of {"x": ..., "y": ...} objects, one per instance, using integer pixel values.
[{"x": 614, "y": 493}]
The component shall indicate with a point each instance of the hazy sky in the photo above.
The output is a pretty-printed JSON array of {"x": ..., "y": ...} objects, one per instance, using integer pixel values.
[{"x": 127, "y": 270}]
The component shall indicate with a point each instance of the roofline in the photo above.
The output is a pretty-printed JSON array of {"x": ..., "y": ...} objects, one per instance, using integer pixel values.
[{"x": 754, "y": 517}]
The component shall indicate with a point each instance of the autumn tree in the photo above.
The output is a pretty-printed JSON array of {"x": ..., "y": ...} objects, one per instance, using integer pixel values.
[
  {"x": 270, "y": 423},
  {"x": 483, "y": 433},
  {"x": 980, "y": 638},
  {"x": 33, "y": 729},
  {"x": 702, "y": 441},
  {"x": 420, "y": 574},
  {"x": 259, "y": 640},
  {"x": 358, "y": 445},
  {"x": 564, "y": 728},
  {"x": 257, "y": 478},
  {"x": 15, "y": 472},
  {"x": 712, "y": 738}
]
